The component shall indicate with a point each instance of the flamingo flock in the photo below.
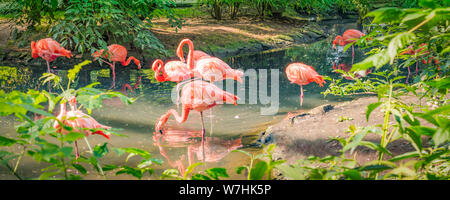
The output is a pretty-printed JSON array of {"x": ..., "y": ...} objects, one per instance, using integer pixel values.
[{"x": 194, "y": 74}]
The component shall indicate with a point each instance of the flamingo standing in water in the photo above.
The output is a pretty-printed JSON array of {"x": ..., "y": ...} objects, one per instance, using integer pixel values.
[
  {"x": 302, "y": 74},
  {"x": 116, "y": 53},
  {"x": 200, "y": 96},
  {"x": 174, "y": 71},
  {"x": 207, "y": 67},
  {"x": 79, "y": 121},
  {"x": 48, "y": 49},
  {"x": 349, "y": 36}
]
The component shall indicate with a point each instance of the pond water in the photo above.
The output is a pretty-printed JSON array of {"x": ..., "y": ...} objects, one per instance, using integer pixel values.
[{"x": 228, "y": 127}]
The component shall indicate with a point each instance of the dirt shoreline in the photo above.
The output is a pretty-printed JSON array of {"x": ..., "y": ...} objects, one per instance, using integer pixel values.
[
  {"x": 301, "y": 135},
  {"x": 224, "y": 38}
]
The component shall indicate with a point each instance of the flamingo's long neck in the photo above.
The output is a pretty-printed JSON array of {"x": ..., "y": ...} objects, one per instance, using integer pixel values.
[
  {"x": 62, "y": 109},
  {"x": 190, "y": 57},
  {"x": 136, "y": 61},
  {"x": 157, "y": 67},
  {"x": 180, "y": 52},
  {"x": 340, "y": 40},
  {"x": 178, "y": 118}
]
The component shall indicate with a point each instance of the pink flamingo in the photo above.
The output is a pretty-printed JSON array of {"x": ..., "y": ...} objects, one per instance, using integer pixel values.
[
  {"x": 200, "y": 96},
  {"x": 174, "y": 71},
  {"x": 349, "y": 36},
  {"x": 302, "y": 74},
  {"x": 207, "y": 67},
  {"x": 79, "y": 121},
  {"x": 48, "y": 49},
  {"x": 417, "y": 53},
  {"x": 116, "y": 53},
  {"x": 197, "y": 54}
]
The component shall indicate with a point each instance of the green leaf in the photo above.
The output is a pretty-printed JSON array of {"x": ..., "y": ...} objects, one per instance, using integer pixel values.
[
  {"x": 352, "y": 174},
  {"x": 73, "y": 136},
  {"x": 47, "y": 175},
  {"x": 215, "y": 173},
  {"x": 376, "y": 60},
  {"x": 386, "y": 15},
  {"x": 293, "y": 172},
  {"x": 374, "y": 168},
  {"x": 6, "y": 141},
  {"x": 441, "y": 136},
  {"x": 414, "y": 138},
  {"x": 241, "y": 151},
  {"x": 441, "y": 83},
  {"x": 67, "y": 151},
  {"x": 399, "y": 42},
  {"x": 133, "y": 151},
  {"x": 100, "y": 150},
  {"x": 80, "y": 168},
  {"x": 110, "y": 167},
  {"x": 423, "y": 130},
  {"x": 374, "y": 146},
  {"x": 356, "y": 140},
  {"x": 35, "y": 110},
  {"x": 191, "y": 168},
  {"x": 240, "y": 169},
  {"x": 370, "y": 108},
  {"x": 200, "y": 177},
  {"x": 131, "y": 171},
  {"x": 404, "y": 156},
  {"x": 428, "y": 4},
  {"x": 169, "y": 173},
  {"x": 258, "y": 171}
]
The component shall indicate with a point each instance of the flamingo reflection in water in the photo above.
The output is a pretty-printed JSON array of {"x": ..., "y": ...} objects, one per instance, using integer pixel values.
[
  {"x": 347, "y": 68},
  {"x": 125, "y": 90},
  {"x": 213, "y": 150}
]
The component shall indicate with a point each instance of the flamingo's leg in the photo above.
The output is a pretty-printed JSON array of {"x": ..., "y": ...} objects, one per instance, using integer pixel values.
[
  {"x": 50, "y": 82},
  {"x": 211, "y": 121},
  {"x": 105, "y": 61},
  {"x": 353, "y": 54},
  {"x": 407, "y": 78},
  {"x": 113, "y": 84},
  {"x": 301, "y": 95},
  {"x": 77, "y": 155},
  {"x": 203, "y": 136},
  {"x": 417, "y": 67}
]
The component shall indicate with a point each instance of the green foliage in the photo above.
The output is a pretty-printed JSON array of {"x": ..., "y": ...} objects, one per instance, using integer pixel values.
[
  {"x": 315, "y": 7},
  {"x": 92, "y": 25},
  {"x": 38, "y": 139},
  {"x": 32, "y": 12},
  {"x": 264, "y": 166},
  {"x": 407, "y": 27},
  {"x": 402, "y": 121},
  {"x": 330, "y": 7},
  {"x": 215, "y": 7},
  {"x": 89, "y": 25}
]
